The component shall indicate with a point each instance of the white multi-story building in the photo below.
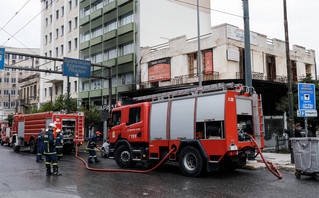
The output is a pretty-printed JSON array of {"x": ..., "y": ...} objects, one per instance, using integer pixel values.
[
  {"x": 59, "y": 38},
  {"x": 9, "y": 80}
]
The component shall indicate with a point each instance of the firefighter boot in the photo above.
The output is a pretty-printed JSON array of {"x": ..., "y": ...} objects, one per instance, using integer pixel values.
[
  {"x": 96, "y": 160},
  {"x": 56, "y": 171},
  {"x": 49, "y": 172}
]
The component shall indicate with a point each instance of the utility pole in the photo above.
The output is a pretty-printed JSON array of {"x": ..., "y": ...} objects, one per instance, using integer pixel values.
[
  {"x": 248, "y": 79},
  {"x": 199, "y": 57},
  {"x": 68, "y": 99},
  {"x": 290, "y": 96}
]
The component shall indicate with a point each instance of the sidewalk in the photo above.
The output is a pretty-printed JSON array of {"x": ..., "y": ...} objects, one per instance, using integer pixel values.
[{"x": 283, "y": 161}]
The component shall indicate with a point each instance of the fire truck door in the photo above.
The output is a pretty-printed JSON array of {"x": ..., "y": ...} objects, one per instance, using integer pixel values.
[
  {"x": 116, "y": 124},
  {"x": 21, "y": 129},
  {"x": 134, "y": 125},
  {"x": 8, "y": 132}
]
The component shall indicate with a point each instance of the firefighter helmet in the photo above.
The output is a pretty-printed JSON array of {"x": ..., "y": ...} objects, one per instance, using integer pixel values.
[
  {"x": 58, "y": 130},
  {"x": 98, "y": 132},
  {"x": 52, "y": 125}
]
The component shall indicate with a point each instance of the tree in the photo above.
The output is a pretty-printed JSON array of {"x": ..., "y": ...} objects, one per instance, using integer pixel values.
[
  {"x": 92, "y": 116},
  {"x": 59, "y": 104},
  {"x": 313, "y": 122}
]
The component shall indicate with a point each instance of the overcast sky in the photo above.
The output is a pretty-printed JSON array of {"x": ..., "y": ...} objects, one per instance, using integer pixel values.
[{"x": 266, "y": 17}]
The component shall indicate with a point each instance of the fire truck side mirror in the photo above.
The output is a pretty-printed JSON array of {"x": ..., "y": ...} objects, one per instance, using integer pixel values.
[{"x": 10, "y": 122}]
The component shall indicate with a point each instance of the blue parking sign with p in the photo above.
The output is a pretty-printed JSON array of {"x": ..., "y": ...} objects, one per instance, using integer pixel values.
[
  {"x": 307, "y": 99},
  {"x": 1, "y": 58}
]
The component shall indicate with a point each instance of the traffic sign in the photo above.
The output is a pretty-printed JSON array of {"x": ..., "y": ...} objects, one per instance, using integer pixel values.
[
  {"x": 306, "y": 96},
  {"x": 307, "y": 113},
  {"x": 76, "y": 67},
  {"x": 2, "y": 53}
]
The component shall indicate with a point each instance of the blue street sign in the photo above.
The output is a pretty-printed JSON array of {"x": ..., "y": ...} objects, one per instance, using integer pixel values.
[
  {"x": 76, "y": 68},
  {"x": 307, "y": 113},
  {"x": 2, "y": 52},
  {"x": 306, "y": 96}
]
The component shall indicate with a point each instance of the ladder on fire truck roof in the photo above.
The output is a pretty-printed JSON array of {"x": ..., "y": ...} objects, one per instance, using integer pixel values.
[{"x": 190, "y": 91}]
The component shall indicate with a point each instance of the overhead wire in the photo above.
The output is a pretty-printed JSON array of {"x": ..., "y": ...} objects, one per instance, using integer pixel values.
[
  {"x": 215, "y": 10},
  {"x": 14, "y": 15},
  {"x": 28, "y": 22}
]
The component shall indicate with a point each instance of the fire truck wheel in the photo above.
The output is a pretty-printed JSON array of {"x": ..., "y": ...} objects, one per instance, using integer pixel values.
[
  {"x": 191, "y": 162},
  {"x": 123, "y": 157},
  {"x": 32, "y": 146}
]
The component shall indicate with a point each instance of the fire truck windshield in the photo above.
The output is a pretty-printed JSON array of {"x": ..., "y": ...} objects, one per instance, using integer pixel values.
[{"x": 244, "y": 125}]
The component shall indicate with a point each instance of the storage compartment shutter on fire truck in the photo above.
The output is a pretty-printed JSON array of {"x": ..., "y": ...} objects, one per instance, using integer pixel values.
[
  {"x": 158, "y": 121},
  {"x": 211, "y": 107},
  {"x": 182, "y": 119},
  {"x": 21, "y": 129}
]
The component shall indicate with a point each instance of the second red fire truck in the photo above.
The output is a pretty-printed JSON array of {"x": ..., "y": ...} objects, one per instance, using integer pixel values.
[
  {"x": 25, "y": 128},
  {"x": 207, "y": 130}
]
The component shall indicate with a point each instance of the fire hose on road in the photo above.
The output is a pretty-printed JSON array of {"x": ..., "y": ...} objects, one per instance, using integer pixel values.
[
  {"x": 273, "y": 169},
  {"x": 122, "y": 170}
]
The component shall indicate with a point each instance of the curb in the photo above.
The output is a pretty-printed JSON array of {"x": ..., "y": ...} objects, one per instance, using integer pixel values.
[{"x": 256, "y": 166}]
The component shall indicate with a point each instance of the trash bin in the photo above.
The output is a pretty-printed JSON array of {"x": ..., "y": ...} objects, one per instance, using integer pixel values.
[{"x": 306, "y": 155}]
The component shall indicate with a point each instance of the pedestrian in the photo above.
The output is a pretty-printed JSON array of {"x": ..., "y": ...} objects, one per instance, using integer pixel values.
[
  {"x": 59, "y": 144},
  {"x": 298, "y": 130},
  {"x": 90, "y": 147},
  {"x": 50, "y": 152},
  {"x": 40, "y": 145}
]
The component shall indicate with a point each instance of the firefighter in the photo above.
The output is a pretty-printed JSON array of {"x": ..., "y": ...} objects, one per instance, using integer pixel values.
[
  {"x": 40, "y": 145},
  {"x": 90, "y": 147},
  {"x": 59, "y": 144},
  {"x": 50, "y": 152}
]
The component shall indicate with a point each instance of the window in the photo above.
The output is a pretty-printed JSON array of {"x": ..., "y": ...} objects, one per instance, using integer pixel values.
[
  {"x": 0, "y": 94},
  {"x": 126, "y": 49},
  {"x": 50, "y": 53},
  {"x": 20, "y": 57},
  {"x": 46, "y": 22},
  {"x": 75, "y": 22},
  {"x": 75, "y": 86},
  {"x": 69, "y": 46},
  {"x": 70, "y": 5},
  {"x": 110, "y": 53},
  {"x": 50, "y": 35},
  {"x": 46, "y": 39},
  {"x": 46, "y": 5},
  {"x": 75, "y": 43},
  {"x": 45, "y": 92},
  {"x": 85, "y": 37},
  {"x": 109, "y": 26},
  {"x": 271, "y": 67},
  {"x": 126, "y": 19},
  {"x": 126, "y": 78},
  {"x": 14, "y": 57},
  {"x": 75, "y": 3},
  {"x": 0, "y": 80},
  {"x": 13, "y": 80},
  {"x": 62, "y": 89},
  {"x": 116, "y": 118},
  {"x": 7, "y": 56},
  {"x": 56, "y": 90},
  {"x": 56, "y": 51},
  {"x": 107, "y": 2},
  {"x": 51, "y": 19},
  {"x": 85, "y": 86},
  {"x": 97, "y": 57},
  {"x": 13, "y": 104},
  {"x": 57, "y": 14},
  {"x": 50, "y": 91},
  {"x": 35, "y": 91},
  {"x": 97, "y": 31},
  {"x": 96, "y": 84},
  {"x": 57, "y": 33},
  {"x": 62, "y": 30},
  {"x": 6, "y": 92},
  {"x": 62, "y": 11},
  {"x": 13, "y": 69},
  {"x": 13, "y": 92},
  {"x": 6, "y": 80},
  {"x": 46, "y": 54},
  {"x": 70, "y": 26},
  {"x": 96, "y": 5},
  {"x": 85, "y": 11},
  {"x": 134, "y": 115},
  {"x": 26, "y": 58},
  {"x": 192, "y": 63},
  {"x": 62, "y": 50}
]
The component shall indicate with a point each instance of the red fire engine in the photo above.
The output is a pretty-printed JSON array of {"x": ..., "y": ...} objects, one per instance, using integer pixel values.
[
  {"x": 25, "y": 128},
  {"x": 206, "y": 129},
  {"x": 4, "y": 136}
]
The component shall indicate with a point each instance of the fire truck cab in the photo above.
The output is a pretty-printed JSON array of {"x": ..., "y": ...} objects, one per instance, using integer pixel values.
[
  {"x": 207, "y": 130},
  {"x": 4, "y": 136}
]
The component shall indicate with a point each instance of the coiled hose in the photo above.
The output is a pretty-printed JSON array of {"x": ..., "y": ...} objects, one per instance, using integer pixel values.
[
  {"x": 121, "y": 170},
  {"x": 274, "y": 169}
]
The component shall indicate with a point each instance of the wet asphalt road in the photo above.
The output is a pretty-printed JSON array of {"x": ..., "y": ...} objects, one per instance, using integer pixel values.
[{"x": 21, "y": 176}]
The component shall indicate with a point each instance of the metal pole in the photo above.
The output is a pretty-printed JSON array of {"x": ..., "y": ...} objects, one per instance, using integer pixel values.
[
  {"x": 290, "y": 96},
  {"x": 248, "y": 79},
  {"x": 306, "y": 126},
  {"x": 68, "y": 99},
  {"x": 199, "y": 57}
]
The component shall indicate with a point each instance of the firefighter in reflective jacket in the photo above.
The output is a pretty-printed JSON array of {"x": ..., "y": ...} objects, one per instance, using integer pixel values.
[
  {"x": 90, "y": 147},
  {"x": 59, "y": 144},
  {"x": 40, "y": 145},
  {"x": 50, "y": 152}
]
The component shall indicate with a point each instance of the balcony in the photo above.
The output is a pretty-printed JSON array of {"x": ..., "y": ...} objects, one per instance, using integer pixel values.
[
  {"x": 126, "y": 28},
  {"x": 85, "y": 20}
]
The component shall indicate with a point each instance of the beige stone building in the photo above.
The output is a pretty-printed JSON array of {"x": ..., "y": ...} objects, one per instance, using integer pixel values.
[{"x": 9, "y": 78}]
